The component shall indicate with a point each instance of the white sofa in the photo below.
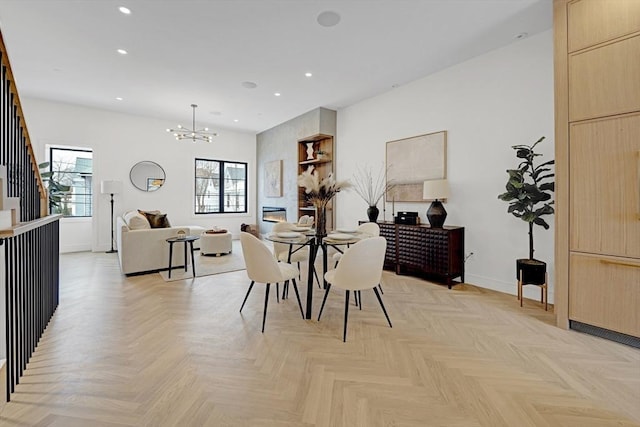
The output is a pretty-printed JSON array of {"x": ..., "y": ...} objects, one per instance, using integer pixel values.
[{"x": 146, "y": 250}]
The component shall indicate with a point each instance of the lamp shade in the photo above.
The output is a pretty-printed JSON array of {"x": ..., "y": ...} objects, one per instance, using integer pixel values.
[
  {"x": 111, "y": 187},
  {"x": 435, "y": 189}
]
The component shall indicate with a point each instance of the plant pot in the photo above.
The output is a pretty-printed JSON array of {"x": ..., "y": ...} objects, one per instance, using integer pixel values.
[
  {"x": 372, "y": 213},
  {"x": 533, "y": 271}
]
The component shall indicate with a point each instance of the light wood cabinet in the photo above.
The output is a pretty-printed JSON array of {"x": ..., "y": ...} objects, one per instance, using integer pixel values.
[
  {"x": 593, "y": 22},
  {"x": 605, "y": 186},
  {"x": 597, "y": 88},
  {"x": 596, "y": 291},
  {"x": 315, "y": 152},
  {"x": 605, "y": 80}
]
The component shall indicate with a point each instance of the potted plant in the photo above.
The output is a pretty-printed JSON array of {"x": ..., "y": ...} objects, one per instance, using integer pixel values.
[
  {"x": 371, "y": 186},
  {"x": 528, "y": 193}
]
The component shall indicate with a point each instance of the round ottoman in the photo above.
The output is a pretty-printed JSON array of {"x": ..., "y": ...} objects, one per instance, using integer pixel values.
[{"x": 215, "y": 243}]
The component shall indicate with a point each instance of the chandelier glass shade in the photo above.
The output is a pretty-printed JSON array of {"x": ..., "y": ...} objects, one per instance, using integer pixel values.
[{"x": 194, "y": 133}]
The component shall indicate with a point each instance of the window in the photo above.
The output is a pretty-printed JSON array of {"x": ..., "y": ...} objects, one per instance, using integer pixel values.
[
  {"x": 221, "y": 186},
  {"x": 73, "y": 167}
]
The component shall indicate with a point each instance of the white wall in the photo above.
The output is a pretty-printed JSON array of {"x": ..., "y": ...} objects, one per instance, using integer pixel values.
[
  {"x": 486, "y": 105},
  {"x": 118, "y": 142}
]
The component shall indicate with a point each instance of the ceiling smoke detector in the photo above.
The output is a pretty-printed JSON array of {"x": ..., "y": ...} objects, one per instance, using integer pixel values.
[{"x": 328, "y": 19}]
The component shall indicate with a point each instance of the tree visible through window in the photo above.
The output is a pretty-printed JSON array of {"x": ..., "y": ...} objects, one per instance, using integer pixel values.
[
  {"x": 73, "y": 167},
  {"x": 220, "y": 186}
]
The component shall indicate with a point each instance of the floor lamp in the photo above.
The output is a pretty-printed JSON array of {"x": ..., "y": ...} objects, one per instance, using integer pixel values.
[{"x": 111, "y": 187}]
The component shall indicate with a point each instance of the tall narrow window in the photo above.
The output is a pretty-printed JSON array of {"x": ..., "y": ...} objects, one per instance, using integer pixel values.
[
  {"x": 73, "y": 167},
  {"x": 220, "y": 186}
]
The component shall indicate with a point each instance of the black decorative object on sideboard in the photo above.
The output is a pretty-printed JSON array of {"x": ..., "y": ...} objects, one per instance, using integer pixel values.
[{"x": 435, "y": 253}]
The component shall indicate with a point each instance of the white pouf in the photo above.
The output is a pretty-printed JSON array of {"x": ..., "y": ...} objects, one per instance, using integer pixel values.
[{"x": 215, "y": 243}]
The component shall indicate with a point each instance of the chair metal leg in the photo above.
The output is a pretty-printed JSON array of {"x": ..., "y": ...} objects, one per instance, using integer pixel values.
[
  {"x": 380, "y": 287},
  {"x": 295, "y": 288},
  {"x": 360, "y": 299},
  {"x": 247, "y": 295},
  {"x": 266, "y": 300},
  {"x": 382, "y": 305},
  {"x": 326, "y": 293},
  {"x": 316, "y": 276},
  {"x": 346, "y": 316},
  {"x": 278, "y": 292}
]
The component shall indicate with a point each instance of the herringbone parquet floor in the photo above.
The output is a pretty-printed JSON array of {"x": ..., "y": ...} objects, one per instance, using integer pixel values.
[{"x": 143, "y": 352}]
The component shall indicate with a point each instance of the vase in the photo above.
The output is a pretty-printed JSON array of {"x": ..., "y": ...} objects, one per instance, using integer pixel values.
[
  {"x": 321, "y": 221},
  {"x": 309, "y": 150},
  {"x": 372, "y": 213}
]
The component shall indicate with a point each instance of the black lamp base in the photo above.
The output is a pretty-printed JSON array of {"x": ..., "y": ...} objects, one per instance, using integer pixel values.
[
  {"x": 112, "y": 251},
  {"x": 436, "y": 214}
]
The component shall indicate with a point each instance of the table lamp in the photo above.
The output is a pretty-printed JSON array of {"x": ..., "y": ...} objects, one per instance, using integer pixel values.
[{"x": 435, "y": 190}]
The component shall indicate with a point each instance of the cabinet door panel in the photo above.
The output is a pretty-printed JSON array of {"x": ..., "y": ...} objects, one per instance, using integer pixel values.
[
  {"x": 605, "y": 186},
  {"x": 593, "y": 22},
  {"x": 604, "y": 81},
  {"x": 605, "y": 292}
]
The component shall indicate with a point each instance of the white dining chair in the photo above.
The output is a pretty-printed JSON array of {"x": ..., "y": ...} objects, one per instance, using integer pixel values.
[
  {"x": 262, "y": 267},
  {"x": 368, "y": 229},
  {"x": 281, "y": 250},
  {"x": 359, "y": 269}
]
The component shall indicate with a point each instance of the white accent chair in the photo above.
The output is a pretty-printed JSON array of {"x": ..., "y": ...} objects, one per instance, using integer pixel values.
[
  {"x": 360, "y": 268},
  {"x": 263, "y": 268}
]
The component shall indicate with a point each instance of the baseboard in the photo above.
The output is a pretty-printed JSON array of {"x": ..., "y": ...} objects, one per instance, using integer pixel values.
[
  {"x": 530, "y": 292},
  {"x": 74, "y": 248}
]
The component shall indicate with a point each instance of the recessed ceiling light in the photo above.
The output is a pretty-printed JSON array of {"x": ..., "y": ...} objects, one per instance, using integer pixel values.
[
  {"x": 308, "y": 74},
  {"x": 122, "y": 52},
  {"x": 277, "y": 94},
  {"x": 520, "y": 36},
  {"x": 236, "y": 120},
  {"x": 249, "y": 85},
  {"x": 118, "y": 98},
  {"x": 328, "y": 19},
  {"x": 125, "y": 10}
]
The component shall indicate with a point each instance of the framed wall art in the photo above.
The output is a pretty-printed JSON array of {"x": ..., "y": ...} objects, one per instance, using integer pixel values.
[
  {"x": 411, "y": 161},
  {"x": 273, "y": 179}
]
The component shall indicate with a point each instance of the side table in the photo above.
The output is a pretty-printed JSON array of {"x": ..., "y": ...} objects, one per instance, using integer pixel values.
[{"x": 185, "y": 240}]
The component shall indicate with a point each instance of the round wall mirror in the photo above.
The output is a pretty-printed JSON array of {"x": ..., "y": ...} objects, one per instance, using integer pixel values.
[{"x": 147, "y": 176}]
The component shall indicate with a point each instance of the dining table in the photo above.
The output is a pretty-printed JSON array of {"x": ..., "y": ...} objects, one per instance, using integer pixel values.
[{"x": 300, "y": 237}]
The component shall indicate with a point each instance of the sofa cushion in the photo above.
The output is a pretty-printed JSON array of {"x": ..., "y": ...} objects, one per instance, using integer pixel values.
[
  {"x": 156, "y": 219},
  {"x": 136, "y": 221}
]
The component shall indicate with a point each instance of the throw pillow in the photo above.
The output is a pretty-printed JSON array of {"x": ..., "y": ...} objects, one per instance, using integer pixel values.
[
  {"x": 156, "y": 219},
  {"x": 136, "y": 221}
]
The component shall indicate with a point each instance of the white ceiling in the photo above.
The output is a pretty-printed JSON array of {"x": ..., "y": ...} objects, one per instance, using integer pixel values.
[{"x": 185, "y": 51}]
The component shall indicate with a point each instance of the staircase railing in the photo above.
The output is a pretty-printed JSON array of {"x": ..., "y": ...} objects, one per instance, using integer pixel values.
[{"x": 29, "y": 238}]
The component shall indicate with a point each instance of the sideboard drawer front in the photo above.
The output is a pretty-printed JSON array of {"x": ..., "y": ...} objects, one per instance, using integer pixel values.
[{"x": 411, "y": 251}]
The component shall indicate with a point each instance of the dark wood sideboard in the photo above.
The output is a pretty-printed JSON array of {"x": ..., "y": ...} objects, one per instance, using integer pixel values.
[{"x": 431, "y": 252}]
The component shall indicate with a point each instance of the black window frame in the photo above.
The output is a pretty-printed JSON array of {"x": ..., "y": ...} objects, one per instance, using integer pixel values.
[
  {"x": 88, "y": 196},
  {"x": 221, "y": 195}
]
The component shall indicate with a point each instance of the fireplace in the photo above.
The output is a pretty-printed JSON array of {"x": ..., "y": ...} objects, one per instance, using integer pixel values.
[{"x": 274, "y": 214}]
